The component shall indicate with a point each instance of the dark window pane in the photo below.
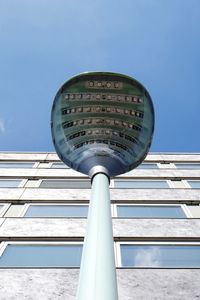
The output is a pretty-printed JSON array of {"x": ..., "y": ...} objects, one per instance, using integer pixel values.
[
  {"x": 41, "y": 255},
  {"x": 194, "y": 184},
  {"x": 160, "y": 256},
  {"x": 9, "y": 183},
  {"x": 66, "y": 184},
  {"x": 150, "y": 211},
  {"x": 138, "y": 184},
  {"x": 57, "y": 211}
]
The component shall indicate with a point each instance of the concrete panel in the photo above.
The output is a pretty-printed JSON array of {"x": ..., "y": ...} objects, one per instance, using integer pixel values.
[
  {"x": 61, "y": 173},
  {"x": 158, "y": 284},
  {"x": 156, "y": 228},
  {"x": 122, "y": 228},
  {"x": 52, "y": 157},
  {"x": 11, "y": 194},
  {"x": 162, "y": 174},
  {"x": 194, "y": 210},
  {"x": 53, "y": 284},
  {"x": 18, "y": 173},
  {"x": 64, "y": 173},
  {"x": 158, "y": 195},
  {"x": 56, "y": 194},
  {"x": 27, "y": 156},
  {"x": 30, "y": 227},
  {"x": 173, "y": 157}
]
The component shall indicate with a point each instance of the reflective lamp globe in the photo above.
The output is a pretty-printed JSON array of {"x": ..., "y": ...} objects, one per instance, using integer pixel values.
[{"x": 102, "y": 120}]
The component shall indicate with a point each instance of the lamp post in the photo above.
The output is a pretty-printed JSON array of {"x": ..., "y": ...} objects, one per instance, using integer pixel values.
[{"x": 102, "y": 125}]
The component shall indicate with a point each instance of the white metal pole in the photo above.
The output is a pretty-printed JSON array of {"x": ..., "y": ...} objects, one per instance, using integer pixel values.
[{"x": 97, "y": 280}]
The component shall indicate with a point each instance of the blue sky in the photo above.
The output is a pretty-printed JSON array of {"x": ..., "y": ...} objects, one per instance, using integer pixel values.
[{"x": 43, "y": 43}]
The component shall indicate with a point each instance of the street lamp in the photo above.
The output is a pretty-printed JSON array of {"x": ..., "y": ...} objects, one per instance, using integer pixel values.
[{"x": 102, "y": 125}]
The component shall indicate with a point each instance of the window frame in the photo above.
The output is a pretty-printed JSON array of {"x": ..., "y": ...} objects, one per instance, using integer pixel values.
[
  {"x": 4, "y": 244},
  {"x": 118, "y": 260},
  {"x": 182, "y": 206},
  {"x": 4, "y": 208}
]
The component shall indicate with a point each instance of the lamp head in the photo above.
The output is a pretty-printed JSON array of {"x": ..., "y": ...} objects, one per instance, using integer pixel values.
[{"x": 104, "y": 120}]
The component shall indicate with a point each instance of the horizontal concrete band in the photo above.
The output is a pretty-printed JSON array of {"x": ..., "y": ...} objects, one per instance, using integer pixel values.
[
  {"x": 69, "y": 173},
  {"x": 12, "y": 228},
  {"x": 52, "y": 156},
  {"x": 121, "y": 195},
  {"x": 132, "y": 284}
]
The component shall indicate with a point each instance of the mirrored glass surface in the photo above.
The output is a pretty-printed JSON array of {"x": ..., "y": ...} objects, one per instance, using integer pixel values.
[
  {"x": 57, "y": 211},
  {"x": 148, "y": 211},
  {"x": 41, "y": 256},
  {"x": 160, "y": 256},
  {"x": 141, "y": 184},
  {"x": 104, "y": 119},
  {"x": 9, "y": 183}
]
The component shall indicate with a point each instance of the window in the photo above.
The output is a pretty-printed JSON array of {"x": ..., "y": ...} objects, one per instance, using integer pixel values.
[
  {"x": 66, "y": 184},
  {"x": 140, "y": 184},
  {"x": 191, "y": 166},
  {"x": 9, "y": 183},
  {"x": 148, "y": 166},
  {"x": 3, "y": 208},
  {"x": 160, "y": 255},
  {"x": 150, "y": 211},
  {"x": 194, "y": 183},
  {"x": 20, "y": 165},
  {"x": 40, "y": 255},
  {"x": 59, "y": 165},
  {"x": 55, "y": 210}
]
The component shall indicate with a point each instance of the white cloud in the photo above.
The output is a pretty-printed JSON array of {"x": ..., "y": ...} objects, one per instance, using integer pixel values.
[
  {"x": 2, "y": 126},
  {"x": 150, "y": 257}
]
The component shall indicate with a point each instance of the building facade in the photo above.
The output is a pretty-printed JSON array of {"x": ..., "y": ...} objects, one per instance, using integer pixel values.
[{"x": 156, "y": 227}]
